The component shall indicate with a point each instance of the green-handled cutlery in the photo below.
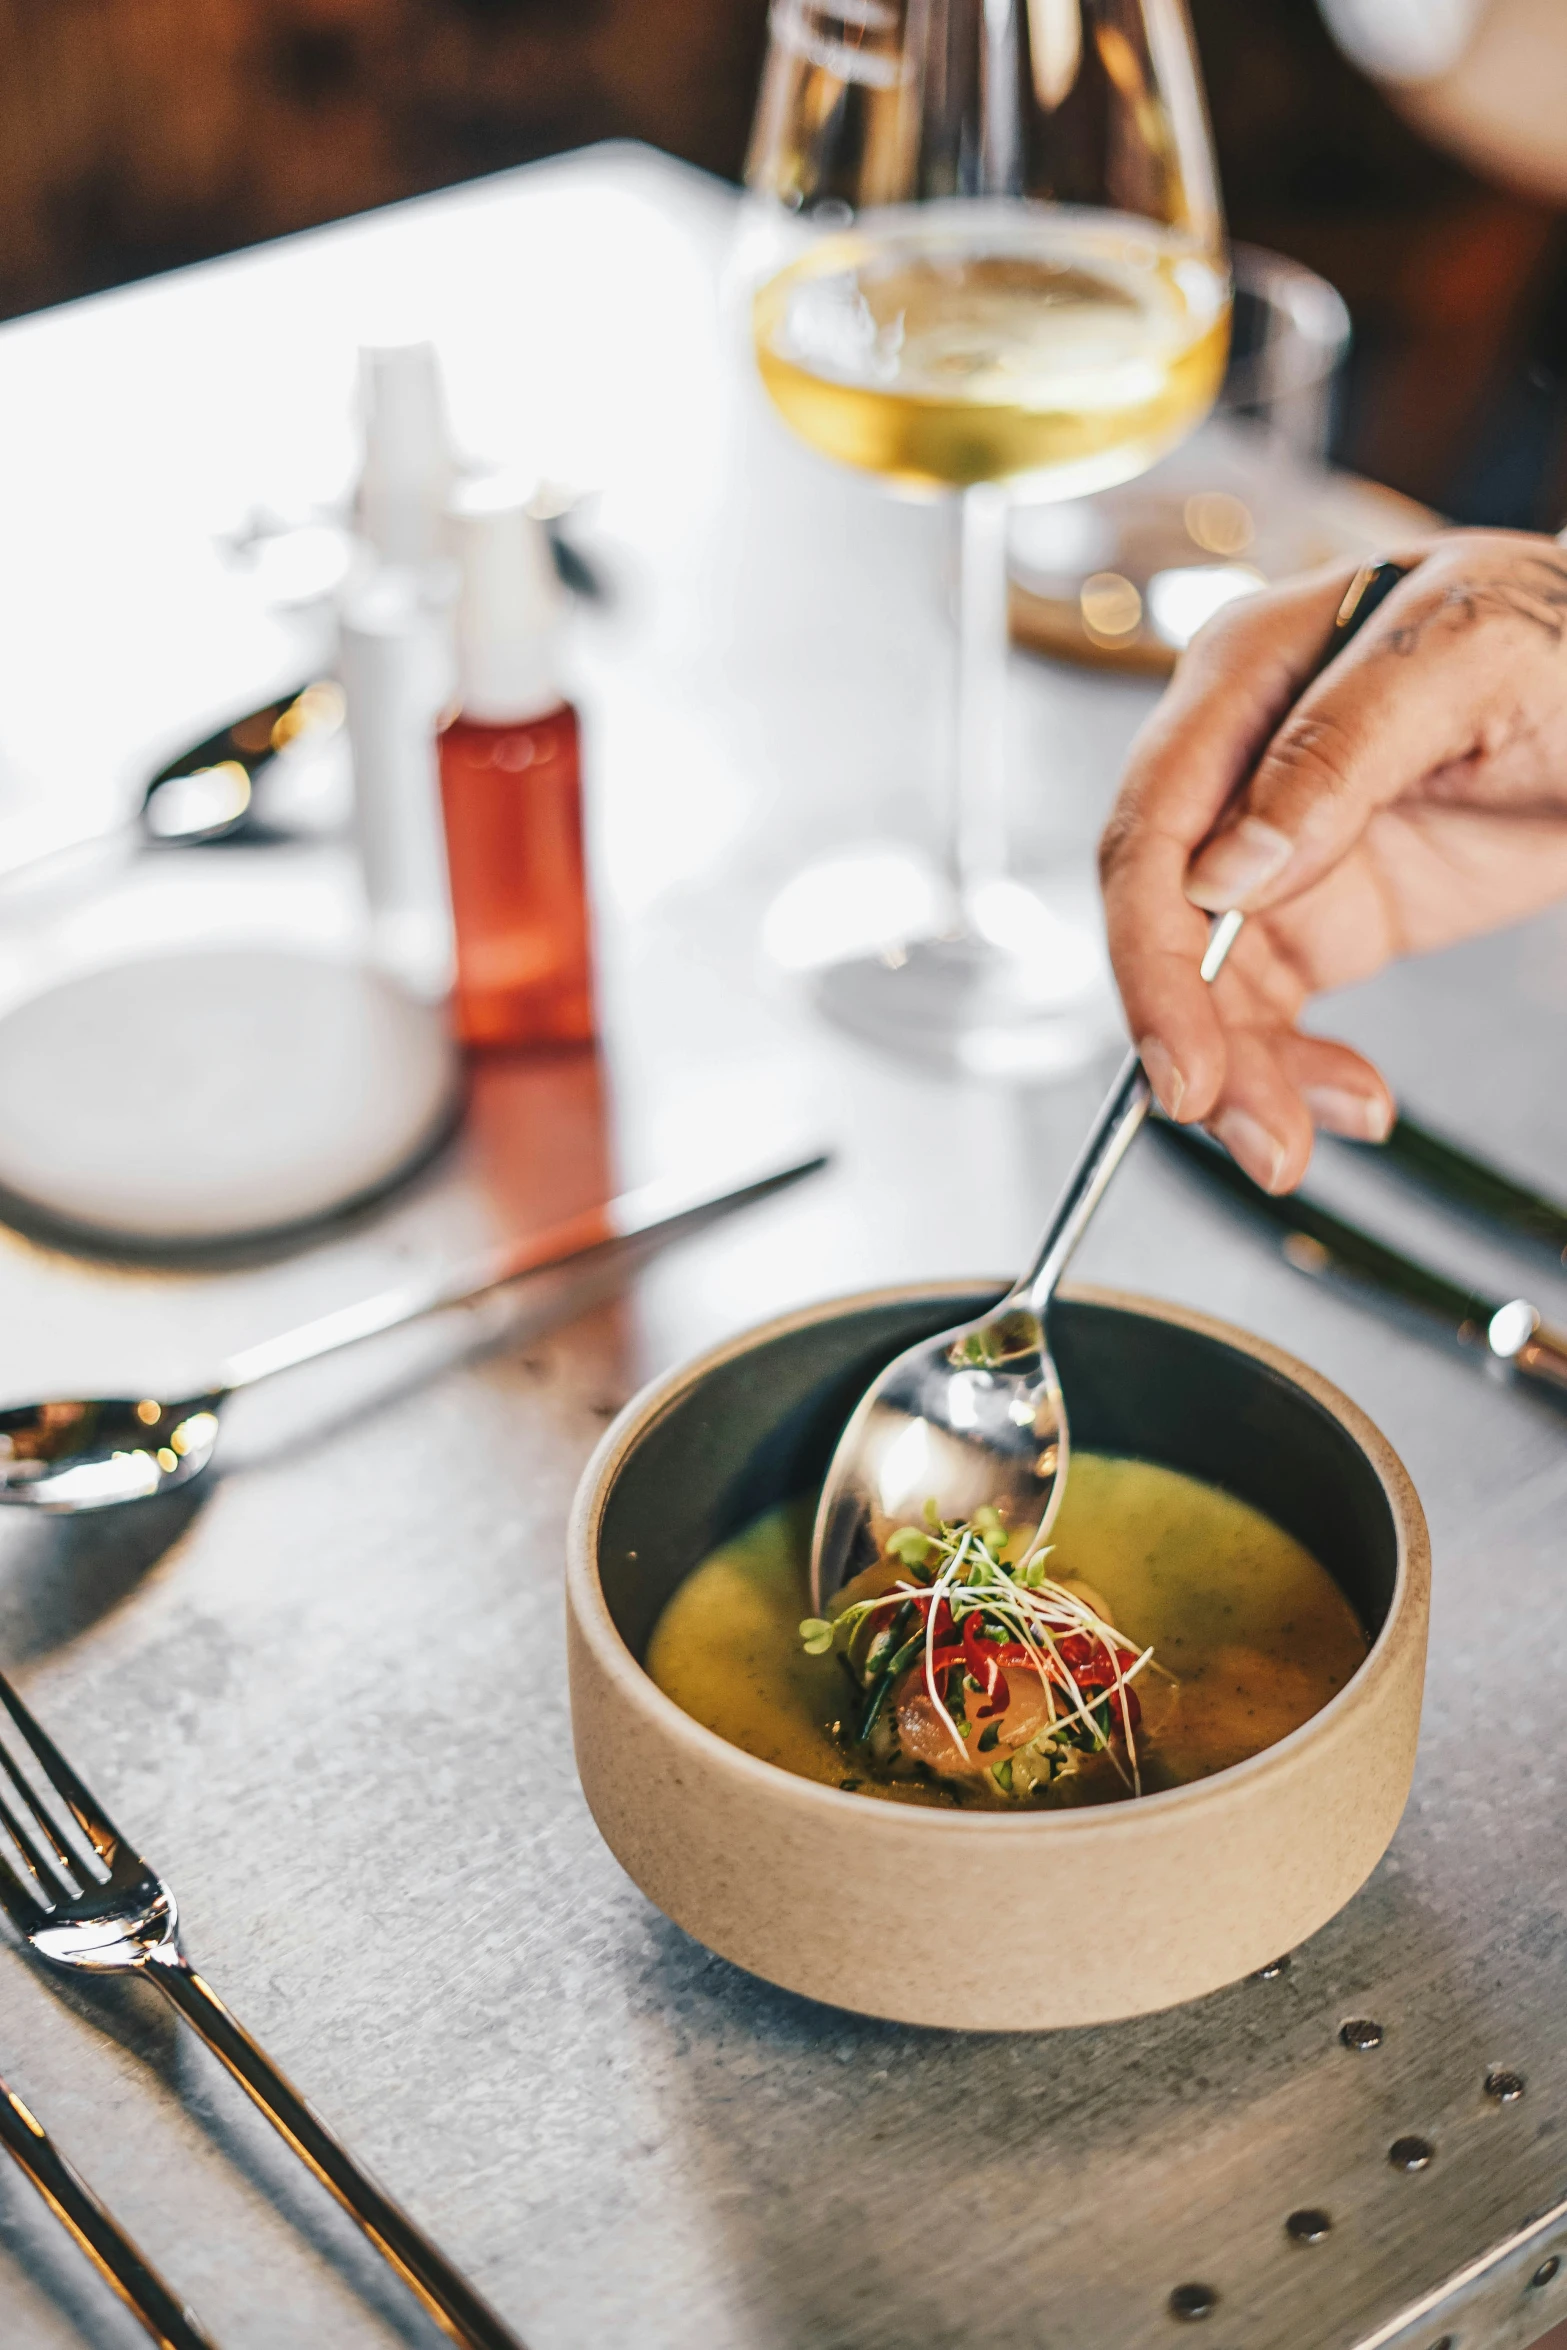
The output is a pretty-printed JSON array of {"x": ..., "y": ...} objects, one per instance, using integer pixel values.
[{"x": 1508, "y": 1331}]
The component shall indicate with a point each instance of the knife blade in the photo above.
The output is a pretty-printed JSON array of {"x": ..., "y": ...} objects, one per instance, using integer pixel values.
[{"x": 1509, "y": 1332}]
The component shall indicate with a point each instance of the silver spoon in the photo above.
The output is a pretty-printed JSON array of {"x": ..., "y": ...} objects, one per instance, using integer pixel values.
[
  {"x": 976, "y": 1415},
  {"x": 90, "y": 1455},
  {"x": 277, "y": 773}
]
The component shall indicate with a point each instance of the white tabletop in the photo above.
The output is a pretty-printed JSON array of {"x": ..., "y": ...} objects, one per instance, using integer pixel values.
[{"x": 326, "y": 1695}]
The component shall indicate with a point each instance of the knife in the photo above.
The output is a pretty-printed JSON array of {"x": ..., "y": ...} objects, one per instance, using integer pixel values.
[
  {"x": 1509, "y": 1331},
  {"x": 1444, "y": 1166}
]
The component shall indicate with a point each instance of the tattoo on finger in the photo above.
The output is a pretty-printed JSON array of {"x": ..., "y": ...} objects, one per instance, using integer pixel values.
[{"x": 1536, "y": 592}]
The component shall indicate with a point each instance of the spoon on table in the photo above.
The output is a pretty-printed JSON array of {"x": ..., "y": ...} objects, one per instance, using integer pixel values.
[
  {"x": 277, "y": 773},
  {"x": 975, "y": 1416},
  {"x": 92, "y": 1454}
]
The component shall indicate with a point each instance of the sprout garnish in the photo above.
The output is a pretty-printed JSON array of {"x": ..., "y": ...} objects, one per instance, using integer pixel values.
[{"x": 966, "y": 1617}]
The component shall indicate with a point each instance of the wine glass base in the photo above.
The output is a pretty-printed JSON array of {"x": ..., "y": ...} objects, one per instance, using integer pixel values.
[{"x": 1012, "y": 985}]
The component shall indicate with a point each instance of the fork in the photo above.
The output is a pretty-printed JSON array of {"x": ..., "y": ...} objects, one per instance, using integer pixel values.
[
  {"x": 117, "y": 2260},
  {"x": 89, "y": 1902}
]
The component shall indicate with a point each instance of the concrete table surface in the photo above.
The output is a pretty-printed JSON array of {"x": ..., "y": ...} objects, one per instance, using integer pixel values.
[{"x": 325, "y": 1691}]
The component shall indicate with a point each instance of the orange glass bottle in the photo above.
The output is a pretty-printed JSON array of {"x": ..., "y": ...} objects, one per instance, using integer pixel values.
[{"x": 511, "y": 791}]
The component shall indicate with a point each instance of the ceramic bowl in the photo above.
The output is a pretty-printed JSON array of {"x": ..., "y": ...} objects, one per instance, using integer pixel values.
[{"x": 972, "y": 1920}]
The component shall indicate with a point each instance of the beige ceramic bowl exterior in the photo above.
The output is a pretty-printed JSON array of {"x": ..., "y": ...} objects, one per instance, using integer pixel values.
[{"x": 972, "y": 1921}]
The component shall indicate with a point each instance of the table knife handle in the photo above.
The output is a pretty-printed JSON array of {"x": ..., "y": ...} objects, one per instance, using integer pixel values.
[
  {"x": 1543, "y": 1357},
  {"x": 427, "y": 2273},
  {"x": 81, "y": 2214}
]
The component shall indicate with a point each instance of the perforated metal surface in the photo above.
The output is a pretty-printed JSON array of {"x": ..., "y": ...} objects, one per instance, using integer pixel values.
[{"x": 350, "y": 1645}]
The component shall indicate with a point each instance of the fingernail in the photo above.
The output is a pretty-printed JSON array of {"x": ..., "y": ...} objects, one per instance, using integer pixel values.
[
  {"x": 1364, "y": 1117},
  {"x": 1250, "y": 1143},
  {"x": 1239, "y": 862},
  {"x": 1160, "y": 1068}
]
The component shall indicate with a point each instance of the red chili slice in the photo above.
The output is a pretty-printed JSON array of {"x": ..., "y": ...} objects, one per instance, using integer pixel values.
[
  {"x": 964, "y": 1644},
  {"x": 985, "y": 1658},
  {"x": 942, "y": 1661}
]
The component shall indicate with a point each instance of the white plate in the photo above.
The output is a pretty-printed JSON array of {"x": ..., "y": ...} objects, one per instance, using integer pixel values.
[{"x": 215, "y": 1095}]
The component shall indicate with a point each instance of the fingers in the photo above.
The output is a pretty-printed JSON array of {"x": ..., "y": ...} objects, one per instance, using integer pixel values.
[
  {"x": 1321, "y": 801},
  {"x": 1235, "y": 684},
  {"x": 1156, "y": 944},
  {"x": 1281, "y": 1086},
  {"x": 1260, "y": 1117},
  {"x": 1278, "y": 1085},
  {"x": 1422, "y": 688},
  {"x": 1341, "y": 1091}
]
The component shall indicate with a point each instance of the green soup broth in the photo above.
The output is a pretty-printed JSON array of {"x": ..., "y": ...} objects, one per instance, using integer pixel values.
[{"x": 1251, "y": 1633}]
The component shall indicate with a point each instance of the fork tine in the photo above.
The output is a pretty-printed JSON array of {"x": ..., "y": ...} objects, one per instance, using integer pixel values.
[
  {"x": 24, "y": 1912},
  {"x": 95, "y": 1823},
  {"x": 31, "y": 1832}
]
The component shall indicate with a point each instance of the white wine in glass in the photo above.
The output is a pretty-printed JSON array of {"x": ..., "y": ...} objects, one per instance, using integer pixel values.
[
  {"x": 1071, "y": 351},
  {"x": 1000, "y": 268}
]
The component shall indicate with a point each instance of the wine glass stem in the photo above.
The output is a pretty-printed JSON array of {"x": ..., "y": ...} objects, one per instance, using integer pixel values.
[{"x": 978, "y": 843}]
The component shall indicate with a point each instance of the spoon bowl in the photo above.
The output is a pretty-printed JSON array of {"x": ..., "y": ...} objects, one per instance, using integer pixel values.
[
  {"x": 975, "y": 1418},
  {"x": 89, "y": 1455},
  {"x": 971, "y": 1418}
]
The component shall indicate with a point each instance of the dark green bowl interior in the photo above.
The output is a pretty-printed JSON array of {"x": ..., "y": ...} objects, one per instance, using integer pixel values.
[{"x": 760, "y": 1429}]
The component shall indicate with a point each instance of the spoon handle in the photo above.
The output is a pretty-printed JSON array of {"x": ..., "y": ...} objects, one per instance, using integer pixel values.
[
  {"x": 1126, "y": 1105},
  {"x": 652, "y": 1211}
]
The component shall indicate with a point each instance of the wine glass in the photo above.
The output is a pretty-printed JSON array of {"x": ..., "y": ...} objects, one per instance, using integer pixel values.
[{"x": 997, "y": 269}]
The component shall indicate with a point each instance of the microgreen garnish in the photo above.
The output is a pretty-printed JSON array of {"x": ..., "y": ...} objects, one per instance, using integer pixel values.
[{"x": 968, "y": 1617}]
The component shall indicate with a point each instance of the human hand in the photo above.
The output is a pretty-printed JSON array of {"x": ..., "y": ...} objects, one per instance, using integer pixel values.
[{"x": 1415, "y": 794}]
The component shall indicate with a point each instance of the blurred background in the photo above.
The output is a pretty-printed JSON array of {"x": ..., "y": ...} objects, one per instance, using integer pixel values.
[{"x": 1409, "y": 150}]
